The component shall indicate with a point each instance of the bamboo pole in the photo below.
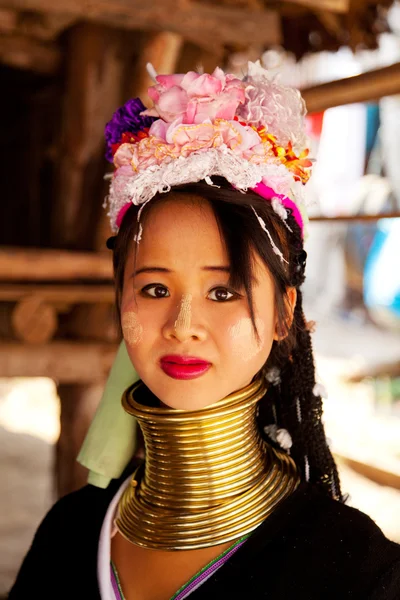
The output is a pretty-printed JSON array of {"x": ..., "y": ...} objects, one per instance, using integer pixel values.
[{"x": 366, "y": 87}]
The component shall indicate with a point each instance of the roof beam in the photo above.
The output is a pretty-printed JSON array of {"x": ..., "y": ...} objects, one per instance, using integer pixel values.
[{"x": 207, "y": 25}]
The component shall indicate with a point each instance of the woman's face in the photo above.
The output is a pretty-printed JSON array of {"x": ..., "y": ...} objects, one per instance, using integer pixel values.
[{"x": 188, "y": 334}]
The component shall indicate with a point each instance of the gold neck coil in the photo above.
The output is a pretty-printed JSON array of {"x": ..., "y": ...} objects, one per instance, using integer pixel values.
[{"x": 208, "y": 478}]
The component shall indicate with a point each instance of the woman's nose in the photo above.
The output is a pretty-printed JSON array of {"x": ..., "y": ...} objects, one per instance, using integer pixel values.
[{"x": 181, "y": 325}]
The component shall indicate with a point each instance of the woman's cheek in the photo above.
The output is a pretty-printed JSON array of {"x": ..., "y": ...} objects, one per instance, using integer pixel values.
[
  {"x": 132, "y": 329},
  {"x": 245, "y": 344}
]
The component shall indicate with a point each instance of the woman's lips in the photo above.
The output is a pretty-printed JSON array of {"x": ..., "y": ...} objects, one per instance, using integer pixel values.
[{"x": 184, "y": 367}]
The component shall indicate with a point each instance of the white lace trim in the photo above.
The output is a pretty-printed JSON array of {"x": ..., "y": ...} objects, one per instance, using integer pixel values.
[{"x": 142, "y": 186}]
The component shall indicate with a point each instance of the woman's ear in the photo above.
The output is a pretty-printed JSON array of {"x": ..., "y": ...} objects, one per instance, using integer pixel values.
[{"x": 290, "y": 303}]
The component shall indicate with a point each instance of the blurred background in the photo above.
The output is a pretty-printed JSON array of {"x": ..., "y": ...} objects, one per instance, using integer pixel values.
[{"x": 64, "y": 68}]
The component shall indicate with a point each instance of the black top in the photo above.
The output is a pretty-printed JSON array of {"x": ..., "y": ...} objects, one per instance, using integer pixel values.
[{"x": 310, "y": 548}]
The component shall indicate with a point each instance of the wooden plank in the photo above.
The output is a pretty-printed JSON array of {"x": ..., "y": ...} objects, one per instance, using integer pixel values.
[
  {"x": 31, "y": 264},
  {"x": 22, "y": 52},
  {"x": 366, "y": 87},
  {"x": 336, "y": 6},
  {"x": 65, "y": 362},
  {"x": 208, "y": 25}
]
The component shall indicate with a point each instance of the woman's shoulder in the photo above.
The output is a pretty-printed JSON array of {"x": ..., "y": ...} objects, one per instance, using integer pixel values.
[
  {"x": 337, "y": 528},
  {"x": 330, "y": 549}
]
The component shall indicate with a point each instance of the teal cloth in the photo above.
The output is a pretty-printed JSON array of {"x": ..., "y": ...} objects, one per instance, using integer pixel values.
[{"x": 111, "y": 440}]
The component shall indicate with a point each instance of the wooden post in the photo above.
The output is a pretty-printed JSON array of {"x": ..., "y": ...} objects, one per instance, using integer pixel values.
[
  {"x": 162, "y": 50},
  {"x": 93, "y": 91},
  {"x": 78, "y": 405}
]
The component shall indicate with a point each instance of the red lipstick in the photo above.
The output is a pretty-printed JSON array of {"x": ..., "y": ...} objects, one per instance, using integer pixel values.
[{"x": 184, "y": 367}]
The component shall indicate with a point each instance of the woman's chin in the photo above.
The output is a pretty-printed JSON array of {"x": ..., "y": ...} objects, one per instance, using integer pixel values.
[{"x": 186, "y": 394}]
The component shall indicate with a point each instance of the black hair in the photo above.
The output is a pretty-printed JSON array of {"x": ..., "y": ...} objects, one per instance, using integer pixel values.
[{"x": 292, "y": 401}]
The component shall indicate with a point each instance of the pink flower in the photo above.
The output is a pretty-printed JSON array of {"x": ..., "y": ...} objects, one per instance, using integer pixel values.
[
  {"x": 123, "y": 156},
  {"x": 195, "y": 98},
  {"x": 179, "y": 139}
]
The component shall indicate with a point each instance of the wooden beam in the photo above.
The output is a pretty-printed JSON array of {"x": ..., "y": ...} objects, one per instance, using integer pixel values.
[
  {"x": 59, "y": 294},
  {"x": 22, "y": 52},
  {"x": 375, "y": 472},
  {"x": 65, "y": 362},
  {"x": 34, "y": 25},
  {"x": 207, "y": 25},
  {"x": 336, "y": 6},
  {"x": 366, "y": 87},
  {"x": 356, "y": 218},
  {"x": 30, "y": 264}
]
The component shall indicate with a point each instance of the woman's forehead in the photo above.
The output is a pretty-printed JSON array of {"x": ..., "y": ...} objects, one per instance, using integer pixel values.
[{"x": 181, "y": 225}]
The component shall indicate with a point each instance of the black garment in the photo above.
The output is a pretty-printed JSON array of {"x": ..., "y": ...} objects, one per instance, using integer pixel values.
[{"x": 310, "y": 548}]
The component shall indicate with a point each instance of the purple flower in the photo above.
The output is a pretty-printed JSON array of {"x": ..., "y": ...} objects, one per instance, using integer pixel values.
[{"x": 126, "y": 118}]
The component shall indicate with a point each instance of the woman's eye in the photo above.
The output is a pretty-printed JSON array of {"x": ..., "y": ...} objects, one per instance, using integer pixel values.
[
  {"x": 222, "y": 294},
  {"x": 155, "y": 291}
]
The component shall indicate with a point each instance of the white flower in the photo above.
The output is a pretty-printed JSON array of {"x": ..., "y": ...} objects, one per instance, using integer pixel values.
[
  {"x": 278, "y": 107},
  {"x": 273, "y": 376},
  {"x": 320, "y": 390}
]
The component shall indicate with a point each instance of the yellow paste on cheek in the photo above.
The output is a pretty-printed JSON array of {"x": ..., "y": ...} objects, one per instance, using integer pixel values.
[
  {"x": 185, "y": 313},
  {"x": 245, "y": 344},
  {"x": 131, "y": 328}
]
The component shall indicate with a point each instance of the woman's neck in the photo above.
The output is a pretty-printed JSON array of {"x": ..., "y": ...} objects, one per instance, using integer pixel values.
[{"x": 208, "y": 477}]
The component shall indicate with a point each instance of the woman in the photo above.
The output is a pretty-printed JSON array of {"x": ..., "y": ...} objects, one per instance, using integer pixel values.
[{"x": 238, "y": 495}]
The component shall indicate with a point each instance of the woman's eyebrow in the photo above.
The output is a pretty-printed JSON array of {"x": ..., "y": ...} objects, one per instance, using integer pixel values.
[{"x": 149, "y": 269}]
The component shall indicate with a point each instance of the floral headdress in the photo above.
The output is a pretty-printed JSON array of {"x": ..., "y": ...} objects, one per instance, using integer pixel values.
[{"x": 249, "y": 131}]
